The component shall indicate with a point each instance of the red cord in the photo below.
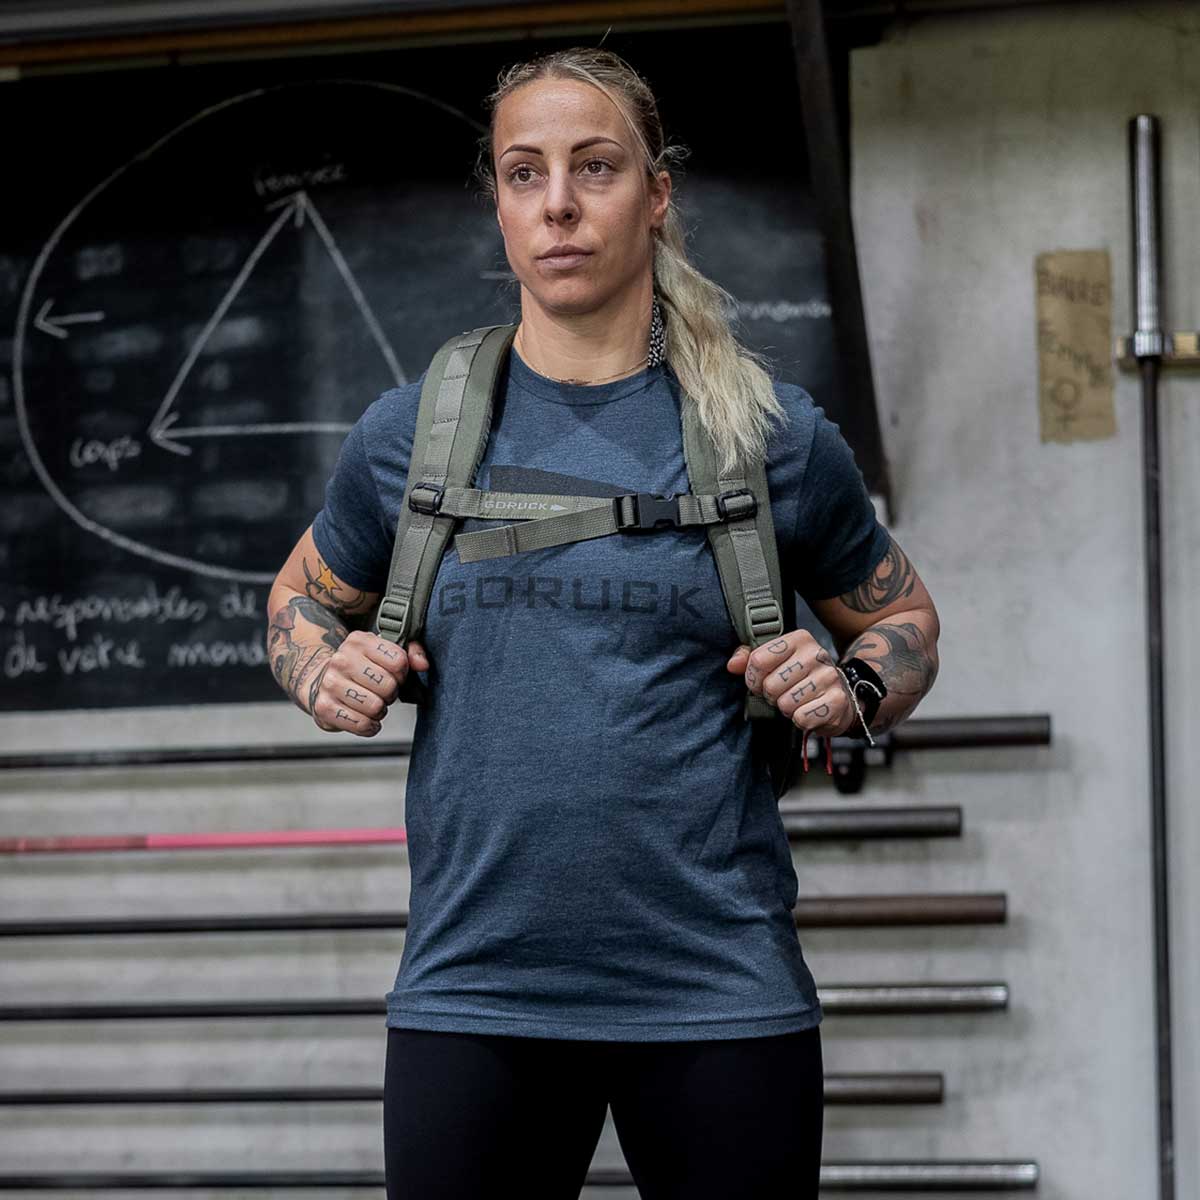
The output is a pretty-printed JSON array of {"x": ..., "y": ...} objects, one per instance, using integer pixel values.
[{"x": 828, "y": 752}]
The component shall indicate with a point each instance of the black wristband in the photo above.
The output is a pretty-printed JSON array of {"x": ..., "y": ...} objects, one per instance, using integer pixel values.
[{"x": 871, "y": 695}]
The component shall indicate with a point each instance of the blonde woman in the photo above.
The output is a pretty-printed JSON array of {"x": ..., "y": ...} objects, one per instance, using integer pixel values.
[{"x": 602, "y": 890}]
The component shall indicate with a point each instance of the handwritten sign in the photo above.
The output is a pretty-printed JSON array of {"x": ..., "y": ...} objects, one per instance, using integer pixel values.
[{"x": 1074, "y": 314}]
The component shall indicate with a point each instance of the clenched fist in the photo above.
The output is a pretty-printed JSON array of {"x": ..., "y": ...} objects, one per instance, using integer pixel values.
[
  {"x": 361, "y": 680},
  {"x": 797, "y": 675}
]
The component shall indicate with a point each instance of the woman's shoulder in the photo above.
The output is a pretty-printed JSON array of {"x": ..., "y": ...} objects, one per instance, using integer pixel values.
[
  {"x": 393, "y": 406},
  {"x": 792, "y": 435}
]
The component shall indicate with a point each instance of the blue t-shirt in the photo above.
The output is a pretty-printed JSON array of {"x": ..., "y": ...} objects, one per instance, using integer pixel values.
[{"x": 594, "y": 851}]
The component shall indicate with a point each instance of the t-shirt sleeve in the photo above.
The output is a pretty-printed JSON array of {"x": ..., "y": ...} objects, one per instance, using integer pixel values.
[
  {"x": 348, "y": 531},
  {"x": 840, "y": 538}
]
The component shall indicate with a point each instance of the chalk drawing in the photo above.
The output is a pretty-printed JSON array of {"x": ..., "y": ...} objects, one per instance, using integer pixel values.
[{"x": 34, "y": 316}]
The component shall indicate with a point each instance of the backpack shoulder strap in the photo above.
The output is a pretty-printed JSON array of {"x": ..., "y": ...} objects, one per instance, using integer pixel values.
[
  {"x": 454, "y": 420},
  {"x": 745, "y": 549},
  {"x": 760, "y": 607}
]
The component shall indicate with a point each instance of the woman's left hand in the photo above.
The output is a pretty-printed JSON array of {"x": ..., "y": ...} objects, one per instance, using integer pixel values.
[{"x": 796, "y": 674}]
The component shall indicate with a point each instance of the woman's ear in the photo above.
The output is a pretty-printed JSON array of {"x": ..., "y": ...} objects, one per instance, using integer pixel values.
[{"x": 660, "y": 199}]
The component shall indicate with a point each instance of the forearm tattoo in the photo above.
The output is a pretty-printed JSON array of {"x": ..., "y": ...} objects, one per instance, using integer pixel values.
[
  {"x": 906, "y": 663},
  {"x": 900, "y": 650},
  {"x": 296, "y": 662}
]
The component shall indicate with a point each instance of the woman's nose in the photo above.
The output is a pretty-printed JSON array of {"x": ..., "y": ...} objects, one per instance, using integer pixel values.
[{"x": 560, "y": 204}]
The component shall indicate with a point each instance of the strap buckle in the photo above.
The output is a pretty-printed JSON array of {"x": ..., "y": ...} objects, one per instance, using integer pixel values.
[
  {"x": 744, "y": 510},
  {"x": 392, "y": 615},
  {"x": 649, "y": 510},
  {"x": 764, "y": 618},
  {"x": 423, "y": 505}
]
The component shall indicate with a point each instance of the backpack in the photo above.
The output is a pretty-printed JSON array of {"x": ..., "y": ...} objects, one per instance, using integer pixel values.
[{"x": 453, "y": 423}]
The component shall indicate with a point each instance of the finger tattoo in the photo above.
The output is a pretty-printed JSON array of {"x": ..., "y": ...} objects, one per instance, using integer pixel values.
[{"x": 372, "y": 676}]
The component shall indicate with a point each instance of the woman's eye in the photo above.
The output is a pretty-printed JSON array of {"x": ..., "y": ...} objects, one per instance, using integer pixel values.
[
  {"x": 595, "y": 162},
  {"x": 517, "y": 171}
]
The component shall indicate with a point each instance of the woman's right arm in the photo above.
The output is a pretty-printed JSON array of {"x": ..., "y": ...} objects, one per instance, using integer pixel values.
[{"x": 339, "y": 672}]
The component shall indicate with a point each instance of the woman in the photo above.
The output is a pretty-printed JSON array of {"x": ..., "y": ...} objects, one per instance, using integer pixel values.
[{"x": 600, "y": 912}]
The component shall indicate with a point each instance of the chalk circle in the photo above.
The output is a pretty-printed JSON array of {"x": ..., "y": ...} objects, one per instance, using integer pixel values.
[{"x": 63, "y": 321}]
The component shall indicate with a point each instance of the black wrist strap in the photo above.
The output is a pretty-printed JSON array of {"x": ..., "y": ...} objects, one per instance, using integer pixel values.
[{"x": 872, "y": 692}]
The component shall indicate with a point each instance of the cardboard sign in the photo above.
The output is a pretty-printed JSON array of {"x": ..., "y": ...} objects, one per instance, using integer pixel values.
[{"x": 1074, "y": 314}]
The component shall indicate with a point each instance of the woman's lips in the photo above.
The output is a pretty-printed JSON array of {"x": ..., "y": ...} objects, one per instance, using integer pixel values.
[{"x": 563, "y": 262}]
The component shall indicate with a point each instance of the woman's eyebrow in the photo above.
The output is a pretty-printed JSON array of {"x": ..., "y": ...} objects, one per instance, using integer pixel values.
[{"x": 578, "y": 146}]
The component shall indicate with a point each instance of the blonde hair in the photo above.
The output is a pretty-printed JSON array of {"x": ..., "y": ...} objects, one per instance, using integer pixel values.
[{"x": 729, "y": 383}]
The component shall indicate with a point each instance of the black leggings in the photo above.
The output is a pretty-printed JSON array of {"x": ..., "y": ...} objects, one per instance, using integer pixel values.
[{"x": 472, "y": 1115}]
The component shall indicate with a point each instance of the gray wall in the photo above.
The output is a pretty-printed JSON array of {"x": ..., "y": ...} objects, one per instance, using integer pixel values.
[{"x": 978, "y": 142}]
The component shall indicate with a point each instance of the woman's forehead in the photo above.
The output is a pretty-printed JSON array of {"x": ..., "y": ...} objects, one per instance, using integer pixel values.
[{"x": 558, "y": 108}]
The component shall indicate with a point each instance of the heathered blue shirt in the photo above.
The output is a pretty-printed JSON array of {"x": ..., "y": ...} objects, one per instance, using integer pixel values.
[{"x": 594, "y": 852}]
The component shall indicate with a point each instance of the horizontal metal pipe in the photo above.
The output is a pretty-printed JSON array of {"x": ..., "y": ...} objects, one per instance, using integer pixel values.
[
  {"x": 894, "y": 1088},
  {"x": 913, "y": 1087},
  {"x": 800, "y": 822},
  {"x": 969, "y": 733},
  {"x": 965, "y": 908},
  {"x": 836, "y": 911},
  {"x": 920, "y": 733},
  {"x": 893, "y": 1176},
  {"x": 804, "y": 823},
  {"x": 962, "y": 1176},
  {"x": 878, "y": 999},
  {"x": 870, "y": 999}
]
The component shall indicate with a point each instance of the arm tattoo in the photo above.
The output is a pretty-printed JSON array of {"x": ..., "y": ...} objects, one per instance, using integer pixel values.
[
  {"x": 298, "y": 667},
  {"x": 900, "y": 653},
  {"x": 893, "y": 579},
  {"x": 325, "y": 587}
]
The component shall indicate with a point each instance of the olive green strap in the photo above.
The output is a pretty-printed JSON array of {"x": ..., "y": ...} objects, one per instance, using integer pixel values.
[
  {"x": 453, "y": 422},
  {"x": 596, "y": 517},
  {"x": 745, "y": 550}
]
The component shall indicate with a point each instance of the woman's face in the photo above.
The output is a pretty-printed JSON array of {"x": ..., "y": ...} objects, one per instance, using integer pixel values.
[{"x": 568, "y": 172}]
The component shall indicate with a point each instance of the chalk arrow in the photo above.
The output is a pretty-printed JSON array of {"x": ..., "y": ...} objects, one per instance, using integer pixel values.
[
  {"x": 162, "y": 434},
  {"x": 52, "y": 325}
]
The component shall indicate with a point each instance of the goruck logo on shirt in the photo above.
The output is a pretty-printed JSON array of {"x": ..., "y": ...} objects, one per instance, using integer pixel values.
[{"x": 592, "y": 594}]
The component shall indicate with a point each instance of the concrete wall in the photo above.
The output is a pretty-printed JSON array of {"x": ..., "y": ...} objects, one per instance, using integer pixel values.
[{"x": 978, "y": 142}]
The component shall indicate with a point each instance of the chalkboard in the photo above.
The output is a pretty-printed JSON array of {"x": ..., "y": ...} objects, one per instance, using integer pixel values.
[{"x": 207, "y": 272}]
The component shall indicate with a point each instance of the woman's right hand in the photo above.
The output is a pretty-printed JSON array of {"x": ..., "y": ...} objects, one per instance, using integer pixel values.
[{"x": 361, "y": 681}]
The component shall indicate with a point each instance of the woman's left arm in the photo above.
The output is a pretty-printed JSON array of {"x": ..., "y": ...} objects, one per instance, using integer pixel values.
[{"x": 888, "y": 621}]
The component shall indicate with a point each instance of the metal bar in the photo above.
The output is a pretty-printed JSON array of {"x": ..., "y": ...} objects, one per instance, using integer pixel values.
[
  {"x": 887, "y": 1088},
  {"x": 919, "y": 733},
  {"x": 859, "y": 999},
  {"x": 970, "y": 733},
  {"x": 1146, "y": 264},
  {"x": 891, "y": 1176},
  {"x": 804, "y": 823},
  {"x": 929, "y": 1176},
  {"x": 828, "y": 153},
  {"x": 912, "y": 999},
  {"x": 799, "y": 822},
  {"x": 924, "y": 1087},
  {"x": 963, "y": 908}
]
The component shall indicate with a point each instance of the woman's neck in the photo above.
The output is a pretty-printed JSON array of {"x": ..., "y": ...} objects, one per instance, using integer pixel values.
[{"x": 594, "y": 347}]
